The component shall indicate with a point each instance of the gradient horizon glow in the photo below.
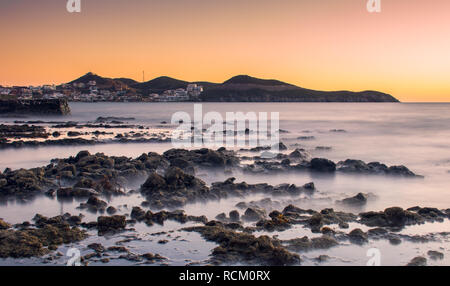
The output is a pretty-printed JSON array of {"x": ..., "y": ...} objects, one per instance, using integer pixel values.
[{"x": 324, "y": 45}]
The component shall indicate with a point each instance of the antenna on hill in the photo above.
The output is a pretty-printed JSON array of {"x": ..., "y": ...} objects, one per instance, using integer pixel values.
[{"x": 143, "y": 76}]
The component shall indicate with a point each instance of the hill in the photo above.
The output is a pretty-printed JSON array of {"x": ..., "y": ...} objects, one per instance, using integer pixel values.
[
  {"x": 160, "y": 84},
  {"x": 104, "y": 82},
  {"x": 241, "y": 88},
  {"x": 244, "y": 88}
]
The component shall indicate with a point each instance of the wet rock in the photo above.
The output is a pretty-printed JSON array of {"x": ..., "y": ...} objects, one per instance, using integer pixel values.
[
  {"x": 391, "y": 217},
  {"x": 254, "y": 214},
  {"x": 281, "y": 146},
  {"x": 324, "y": 148},
  {"x": 23, "y": 183},
  {"x": 278, "y": 222},
  {"x": 47, "y": 235},
  {"x": 94, "y": 204},
  {"x": 112, "y": 223},
  {"x": 326, "y": 217},
  {"x": 300, "y": 154},
  {"x": 435, "y": 255},
  {"x": 137, "y": 213},
  {"x": 377, "y": 232},
  {"x": 429, "y": 214},
  {"x": 234, "y": 215},
  {"x": 105, "y": 260},
  {"x": 359, "y": 200},
  {"x": 418, "y": 261},
  {"x": 221, "y": 217},
  {"x": 322, "y": 165},
  {"x": 160, "y": 217},
  {"x": 97, "y": 247},
  {"x": 306, "y": 138},
  {"x": 111, "y": 210},
  {"x": 74, "y": 134},
  {"x": 358, "y": 166},
  {"x": 322, "y": 258},
  {"x": 4, "y": 225},
  {"x": 75, "y": 192},
  {"x": 358, "y": 236},
  {"x": 242, "y": 247},
  {"x": 118, "y": 249},
  {"x": 175, "y": 189},
  {"x": 204, "y": 157},
  {"x": 153, "y": 257},
  {"x": 305, "y": 244},
  {"x": 395, "y": 240}
]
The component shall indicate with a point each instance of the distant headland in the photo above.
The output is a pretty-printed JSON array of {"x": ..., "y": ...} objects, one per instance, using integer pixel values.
[{"x": 242, "y": 88}]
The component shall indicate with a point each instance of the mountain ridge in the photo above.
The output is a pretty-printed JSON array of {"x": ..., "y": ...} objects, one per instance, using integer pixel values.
[{"x": 243, "y": 88}]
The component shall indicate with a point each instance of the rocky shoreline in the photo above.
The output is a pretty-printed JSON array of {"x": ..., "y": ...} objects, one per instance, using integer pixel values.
[{"x": 170, "y": 183}]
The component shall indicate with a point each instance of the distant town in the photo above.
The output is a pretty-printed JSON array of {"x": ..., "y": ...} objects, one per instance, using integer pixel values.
[
  {"x": 92, "y": 91},
  {"x": 241, "y": 88}
]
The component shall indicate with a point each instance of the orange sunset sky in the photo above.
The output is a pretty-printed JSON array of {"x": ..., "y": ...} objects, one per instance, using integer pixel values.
[{"x": 318, "y": 44}]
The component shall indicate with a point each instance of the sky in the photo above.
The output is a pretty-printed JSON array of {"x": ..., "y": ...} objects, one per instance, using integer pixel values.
[{"x": 317, "y": 44}]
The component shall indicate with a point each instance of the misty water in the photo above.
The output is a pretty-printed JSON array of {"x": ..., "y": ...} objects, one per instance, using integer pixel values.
[{"x": 415, "y": 135}]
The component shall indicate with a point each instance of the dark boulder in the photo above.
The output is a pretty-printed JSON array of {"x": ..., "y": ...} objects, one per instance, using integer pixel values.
[
  {"x": 322, "y": 165},
  {"x": 112, "y": 223}
]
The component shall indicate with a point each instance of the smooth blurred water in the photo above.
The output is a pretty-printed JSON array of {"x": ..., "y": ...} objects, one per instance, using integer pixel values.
[{"x": 414, "y": 135}]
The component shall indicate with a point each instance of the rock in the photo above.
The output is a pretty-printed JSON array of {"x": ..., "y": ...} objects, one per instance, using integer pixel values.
[
  {"x": 300, "y": 154},
  {"x": 175, "y": 189},
  {"x": 48, "y": 234},
  {"x": 350, "y": 165},
  {"x": 391, "y": 217},
  {"x": 152, "y": 257},
  {"x": 94, "y": 204},
  {"x": 254, "y": 214},
  {"x": 137, "y": 213},
  {"x": 97, "y": 247},
  {"x": 322, "y": 165},
  {"x": 435, "y": 255},
  {"x": 394, "y": 240},
  {"x": 379, "y": 231},
  {"x": 359, "y": 200},
  {"x": 112, "y": 223},
  {"x": 238, "y": 247},
  {"x": 306, "y": 138},
  {"x": 358, "y": 166},
  {"x": 358, "y": 236},
  {"x": 153, "y": 183},
  {"x": 418, "y": 261},
  {"x": 322, "y": 258},
  {"x": 73, "y": 134},
  {"x": 306, "y": 244},
  {"x": 122, "y": 249},
  {"x": 111, "y": 210},
  {"x": 4, "y": 225},
  {"x": 221, "y": 217},
  {"x": 234, "y": 215}
]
